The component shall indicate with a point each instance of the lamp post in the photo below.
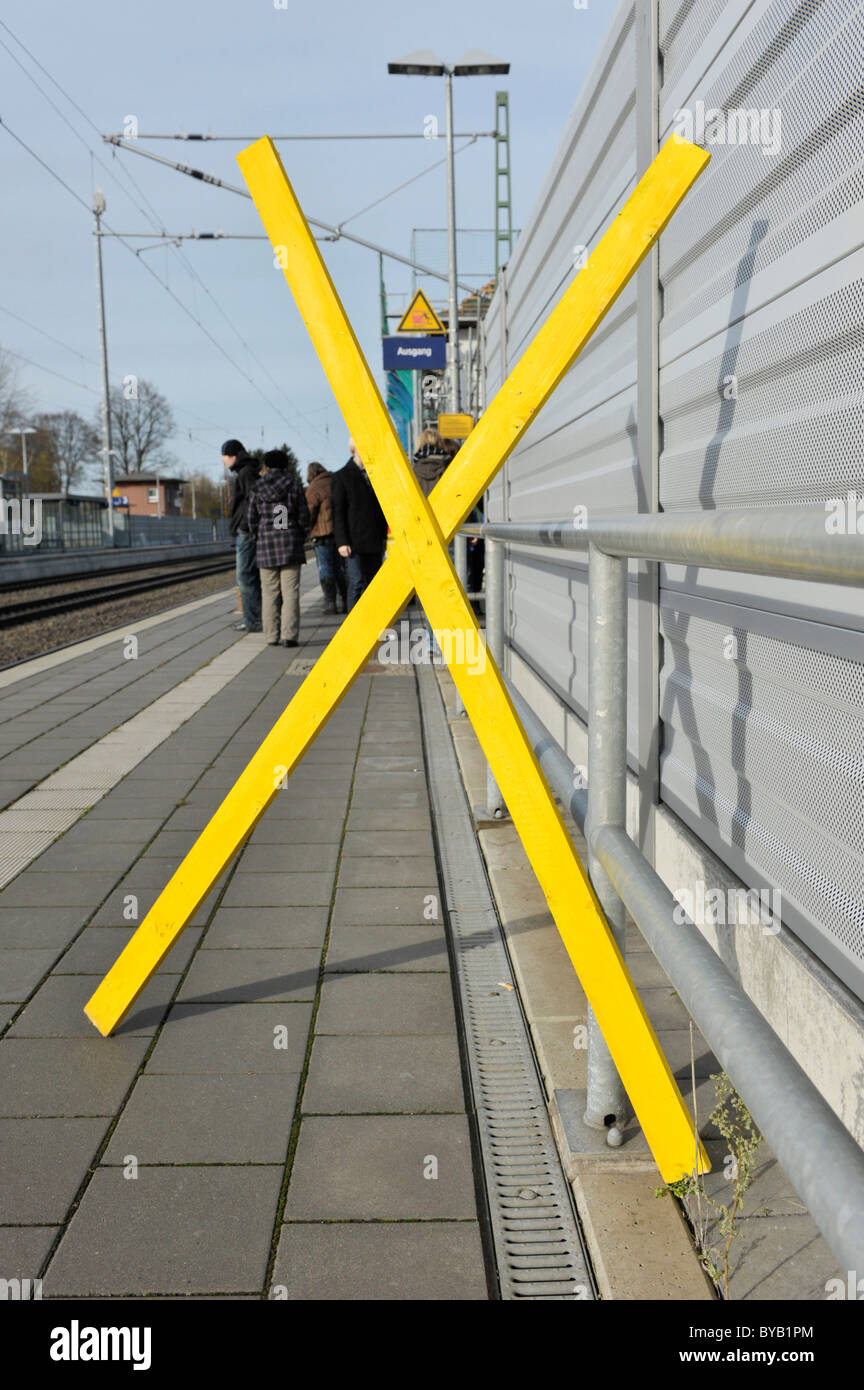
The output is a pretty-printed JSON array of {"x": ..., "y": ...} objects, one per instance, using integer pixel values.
[
  {"x": 424, "y": 63},
  {"x": 24, "y": 430}
]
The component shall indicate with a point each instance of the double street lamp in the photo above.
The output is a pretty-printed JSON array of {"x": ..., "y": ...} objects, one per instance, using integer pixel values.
[{"x": 424, "y": 63}]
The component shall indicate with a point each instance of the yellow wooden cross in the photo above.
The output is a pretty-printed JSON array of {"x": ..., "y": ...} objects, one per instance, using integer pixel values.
[{"x": 418, "y": 560}]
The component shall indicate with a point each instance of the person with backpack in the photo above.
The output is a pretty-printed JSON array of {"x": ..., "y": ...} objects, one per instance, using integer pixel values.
[{"x": 278, "y": 520}]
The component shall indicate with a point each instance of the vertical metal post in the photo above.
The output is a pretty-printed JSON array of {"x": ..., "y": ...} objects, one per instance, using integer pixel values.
[
  {"x": 98, "y": 209},
  {"x": 460, "y": 558},
  {"x": 453, "y": 308},
  {"x": 495, "y": 641},
  {"x": 607, "y": 1106},
  {"x": 648, "y": 436},
  {"x": 460, "y": 564}
]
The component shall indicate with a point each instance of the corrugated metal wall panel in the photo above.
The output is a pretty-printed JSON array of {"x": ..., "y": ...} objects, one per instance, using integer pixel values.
[
  {"x": 581, "y": 449},
  {"x": 762, "y": 280},
  {"x": 761, "y": 394}
]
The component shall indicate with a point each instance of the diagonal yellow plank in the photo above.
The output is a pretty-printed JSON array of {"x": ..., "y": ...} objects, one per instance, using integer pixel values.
[
  {"x": 417, "y": 536},
  {"x": 552, "y": 352}
]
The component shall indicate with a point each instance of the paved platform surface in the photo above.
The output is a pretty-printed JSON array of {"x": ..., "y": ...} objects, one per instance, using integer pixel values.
[{"x": 282, "y": 1113}]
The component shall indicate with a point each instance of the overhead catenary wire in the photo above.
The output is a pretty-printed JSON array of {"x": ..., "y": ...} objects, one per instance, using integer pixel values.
[
  {"x": 337, "y": 135},
  {"x": 152, "y": 217},
  {"x": 167, "y": 288},
  {"x": 334, "y": 231}
]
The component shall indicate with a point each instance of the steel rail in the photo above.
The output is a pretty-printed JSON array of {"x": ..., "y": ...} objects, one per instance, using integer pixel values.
[{"x": 34, "y": 610}]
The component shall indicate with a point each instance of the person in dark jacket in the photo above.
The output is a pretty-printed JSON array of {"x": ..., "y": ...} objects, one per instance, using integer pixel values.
[
  {"x": 244, "y": 471},
  {"x": 359, "y": 525},
  {"x": 430, "y": 460},
  {"x": 331, "y": 567},
  {"x": 279, "y": 521}
]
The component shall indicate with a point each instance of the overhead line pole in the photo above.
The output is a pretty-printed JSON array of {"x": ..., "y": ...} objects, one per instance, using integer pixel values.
[{"x": 98, "y": 209}]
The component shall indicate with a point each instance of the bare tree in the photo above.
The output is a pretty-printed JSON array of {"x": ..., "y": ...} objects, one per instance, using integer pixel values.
[
  {"x": 141, "y": 422},
  {"x": 72, "y": 445}
]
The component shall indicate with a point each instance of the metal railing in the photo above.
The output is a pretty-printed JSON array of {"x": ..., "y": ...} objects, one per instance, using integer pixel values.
[{"x": 820, "y": 1156}]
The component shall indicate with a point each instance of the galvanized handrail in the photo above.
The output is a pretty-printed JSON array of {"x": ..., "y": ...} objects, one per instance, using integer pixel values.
[{"x": 818, "y": 1153}]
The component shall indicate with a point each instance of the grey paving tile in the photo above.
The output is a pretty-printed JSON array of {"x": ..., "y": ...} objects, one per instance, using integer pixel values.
[
  {"x": 57, "y": 1009},
  {"x": 363, "y": 946},
  {"x": 388, "y": 871},
  {"x": 206, "y": 1119},
  {"x": 363, "y": 1075},
  {"x": 125, "y": 825},
  {"x": 373, "y": 844},
  {"x": 270, "y": 831},
  {"x": 232, "y": 1038},
  {"x": 402, "y": 1004},
  {"x": 388, "y": 818},
  {"x": 278, "y": 890},
  {"x": 251, "y": 975},
  {"x": 384, "y": 1178},
  {"x": 37, "y": 890},
  {"x": 266, "y": 926},
  {"x": 23, "y": 1249},
  {"x": 388, "y": 905},
  {"x": 289, "y": 858},
  {"x": 284, "y": 806},
  {"x": 83, "y": 858},
  {"x": 382, "y": 798},
  {"x": 171, "y": 1230},
  {"x": 44, "y": 1163},
  {"x": 97, "y": 948},
  {"x": 67, "y": 1076},
  {"x": 369, "y": 1261},
  {"x": 6, "y": 1012},
  {"x": 21, "y": 971}
]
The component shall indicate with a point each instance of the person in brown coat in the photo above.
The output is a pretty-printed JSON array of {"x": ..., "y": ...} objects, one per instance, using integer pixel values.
[
  {"x": 331, "y": 570},
  {"x": 431, "y": 459}
]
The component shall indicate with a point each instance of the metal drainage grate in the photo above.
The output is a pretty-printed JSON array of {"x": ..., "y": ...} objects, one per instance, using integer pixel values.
[{"x": 538, "y": 1244}]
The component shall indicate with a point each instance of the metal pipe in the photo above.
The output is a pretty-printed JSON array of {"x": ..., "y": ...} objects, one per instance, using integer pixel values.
[
  {"x": 760, "y": 1067},
  {"x": 789, "y": 542},
  {"x": 494, "y": 583},
  {"x": 566, "y": 781},
  {"x": 810, "y": 1142},
  {"x": 460, "y": 564},
  {"x": 452, "y": 305},
  {"x": 607, "y": 1106}
]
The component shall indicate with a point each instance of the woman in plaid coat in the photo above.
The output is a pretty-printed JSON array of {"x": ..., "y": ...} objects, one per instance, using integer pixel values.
[{"x": 279, "y": 521}]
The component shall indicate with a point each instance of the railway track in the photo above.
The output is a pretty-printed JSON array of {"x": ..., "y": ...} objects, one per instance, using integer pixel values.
[{"x": 32, "y": 610}]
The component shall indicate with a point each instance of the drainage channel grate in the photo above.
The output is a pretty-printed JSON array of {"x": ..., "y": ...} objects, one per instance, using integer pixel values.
[{"x": 538, "y": 1245}]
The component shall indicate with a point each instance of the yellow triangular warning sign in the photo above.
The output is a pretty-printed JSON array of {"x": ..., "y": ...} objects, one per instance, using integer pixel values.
[{"x": 420, "y": 317}]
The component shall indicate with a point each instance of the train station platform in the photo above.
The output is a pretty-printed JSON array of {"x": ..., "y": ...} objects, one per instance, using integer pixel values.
[{"x": 339, "y": 1083}]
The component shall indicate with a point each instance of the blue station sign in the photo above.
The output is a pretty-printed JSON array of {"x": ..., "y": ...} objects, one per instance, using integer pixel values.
[{"x": 414, "y": 354}]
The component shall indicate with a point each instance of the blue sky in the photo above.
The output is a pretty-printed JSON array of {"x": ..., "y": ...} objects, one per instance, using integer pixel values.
[{"x": 245, "y": 67}]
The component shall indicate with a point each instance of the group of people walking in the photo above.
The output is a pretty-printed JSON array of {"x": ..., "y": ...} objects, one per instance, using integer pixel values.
[{"x": 272, "y": 517}]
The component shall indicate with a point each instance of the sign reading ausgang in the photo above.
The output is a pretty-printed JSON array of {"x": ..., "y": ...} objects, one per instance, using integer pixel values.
[{"x": 414, "y": 354}]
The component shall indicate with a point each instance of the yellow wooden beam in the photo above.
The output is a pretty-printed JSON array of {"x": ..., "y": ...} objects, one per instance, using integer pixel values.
[
  {"x": 417, "y": 537},
  {"x": 419, "y": 540}
]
